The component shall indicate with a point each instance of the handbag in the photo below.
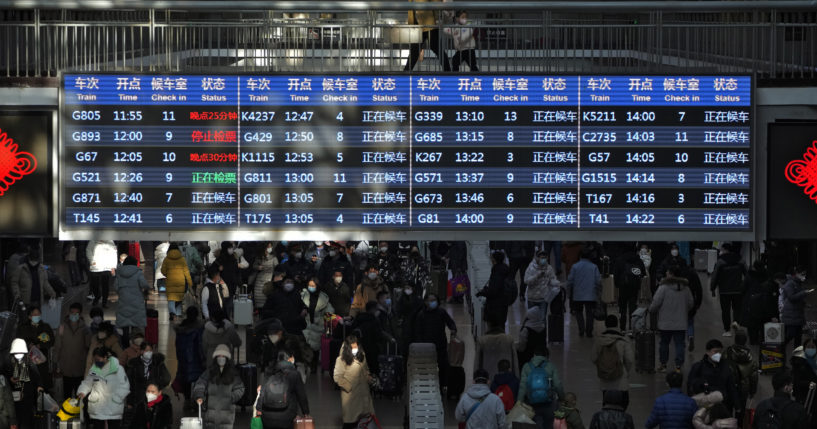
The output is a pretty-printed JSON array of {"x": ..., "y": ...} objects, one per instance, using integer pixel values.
[
  {"x": 256, "y": 423},
  {"x": 36, "y": 355},
  {"x": 521, "y": 413}
]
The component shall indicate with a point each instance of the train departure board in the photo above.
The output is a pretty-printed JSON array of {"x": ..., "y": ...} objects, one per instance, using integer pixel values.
[{"x": 327, "y": 154}]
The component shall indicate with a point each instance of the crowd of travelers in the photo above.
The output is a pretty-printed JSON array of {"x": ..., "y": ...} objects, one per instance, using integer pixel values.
[{"x": 346, "y": 307}]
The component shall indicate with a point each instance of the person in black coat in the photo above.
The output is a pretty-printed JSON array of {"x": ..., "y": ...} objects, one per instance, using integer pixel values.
[
  {"x": 154, "y": 410},
  {"x": 148, "y": 368},
  {"x": 790, "y": 413},
  {"x": 335, "y": 262},
  {"x": 408, "y": 305},
  {"x": 520, "y": 253},
  {"x": 697, "y": 290},
  {"x": 804, "y": 373},
  {"x": 760, "y": 301},
  {"x": 189, "y": 352},
  {"x": 299, "y": 268},
  {"x": 286, "y": 305},
  {"x": 272, "y": 414},
  {"x": 712, "y": 371},
  {"x": 429, "y": 327},
  {"x": 339, "y": 292},
  {"x": 270, "y": 340},
  {"x": 496, "y": 305},
  {"x": 367, "y": 328},
  {"x": 228, "y": 266},
  {"x": 727, "y": 277},
  {"x": 628, "y": 270}
]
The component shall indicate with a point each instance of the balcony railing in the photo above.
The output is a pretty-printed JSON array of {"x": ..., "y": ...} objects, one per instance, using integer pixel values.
[{"x": 736, "y": 37}]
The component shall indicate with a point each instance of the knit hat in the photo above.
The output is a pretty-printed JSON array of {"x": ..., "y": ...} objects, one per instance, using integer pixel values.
[{"x": 222, "y": 350}]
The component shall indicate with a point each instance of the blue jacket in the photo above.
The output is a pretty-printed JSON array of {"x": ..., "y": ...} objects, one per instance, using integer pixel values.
[
  {"x": 672, "y": 410},
  {"x": 584, "y": 281}
]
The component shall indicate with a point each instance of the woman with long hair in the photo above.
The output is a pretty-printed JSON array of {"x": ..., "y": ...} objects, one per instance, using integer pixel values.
[{"x": 352, "y": 375}]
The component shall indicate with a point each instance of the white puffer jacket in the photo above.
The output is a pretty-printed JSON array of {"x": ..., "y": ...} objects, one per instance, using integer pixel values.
[{"x": 106, "y": 389}]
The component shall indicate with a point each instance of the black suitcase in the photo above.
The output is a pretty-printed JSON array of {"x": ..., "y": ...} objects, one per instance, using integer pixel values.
[
  {"x": 8, "y": 330},
  {"x": 390, "y": 375},
  {"x": 645, "y": 351},
  {"x": 249, "y": 376},
  {"x": 456, "y": 381},
  {"x": 556, "y": 328}
]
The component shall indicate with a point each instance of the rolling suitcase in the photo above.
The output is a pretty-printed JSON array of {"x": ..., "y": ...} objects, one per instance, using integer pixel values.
[
  {"x": 700, "y": 259},
  {"x": 608, "y": 290},
  {"x": 152, "y": 328},
  {"x": 242, "y": 308},
  {"x": 645, "y": 351},
  {"x": 456, "y": 381},
  {"x": 556, "y": 328},
  {"x": 192, "y": 422},
  {"x": 390, "y": 374}
]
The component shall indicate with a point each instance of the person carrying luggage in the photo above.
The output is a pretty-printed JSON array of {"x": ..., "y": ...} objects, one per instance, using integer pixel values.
[
  {"x": 218, "y": 389},
  {"x": 540, "y": 387},
  {"x": 478, "y": 408},
  {"x": 282, "y": 394}
]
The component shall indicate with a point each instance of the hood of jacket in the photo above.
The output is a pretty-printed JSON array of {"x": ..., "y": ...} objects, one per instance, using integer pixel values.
[
  {"x": 731, "y": 258},
  {"x": 706, "y": 400},
  {"x": 675, "y": 280},
  {"x": 740, "y": 354},
  {"x": 186, "y": 328},
  {"x": 110, "y": 368},
  {"x": 478, "y": 391},
  {"x": 374, "y": 285},
  {"x": 212, "y": 328},
  {"x": 174, "y": 254},
  {"x": 127, "y": 271},
  {"x": 610, "y": 336},
  {"x": 535, "y": 319}
]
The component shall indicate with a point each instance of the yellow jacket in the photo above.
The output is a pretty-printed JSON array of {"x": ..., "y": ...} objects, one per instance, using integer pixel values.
[{"x": 427, "y": 18}]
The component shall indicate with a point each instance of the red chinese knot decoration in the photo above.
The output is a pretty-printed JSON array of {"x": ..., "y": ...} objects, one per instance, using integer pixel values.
[
  {"x": 13, "y": 164},
  {"x": 803, "y": 172}
]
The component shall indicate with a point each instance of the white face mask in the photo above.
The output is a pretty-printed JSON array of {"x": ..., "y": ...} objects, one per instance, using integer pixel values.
[
  {"x": 333, "y": 253},
  {"x": 716, "y": 357},
  {"x": 673, "y": 252},
  {"x": 338, "y": 280},
  {"x": 409, "y": 292},
  {"x": 221, "y": 360},
  {"x": 384, "y": 249},
  {"x": 354, "y": 352},
  {"x": 269, "y": 250},
  {"x": 372, "y": 276},
  {"x": 230, "y": 251},
  {"x": 19, "y": 357},
  {"x": 298, "y": 255},
  {"x": 463, "y": 21},
  {"x": 147, "y": 355},
  {"x": 274, "y": 338},
  {"x": 151, "y": 396}
]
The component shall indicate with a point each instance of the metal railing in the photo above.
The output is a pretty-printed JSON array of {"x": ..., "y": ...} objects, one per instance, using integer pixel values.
[{"x": 768, "y": 43}]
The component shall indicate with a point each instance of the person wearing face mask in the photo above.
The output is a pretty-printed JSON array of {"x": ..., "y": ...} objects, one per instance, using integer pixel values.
[
  {"x": 214, "y": 294},
  {"x": 672, "y": 259},
  {"x": 102, "y": 257},
  {"x": 29, "y": 283},
  {"x": 628, "y": 273},
  {"x": 728, "y": 278},
  {"x": 744, "y": 370},
  {"x": 539, "y": 278},
  {"x": 367, "y": 291},
  {"x": 218, "y": 389},
  {"x": 715, "y": 374},
  {"x": 760, "y": 301},
  {"x": 496, "y": 302},
  {"x": 781, "y": 408},
  {"x": 352, "y": 376},
  {"x": 154, "y": 410},
  {"x": 429, "y": 327},
  {"x": 385, "y": 313},
  {"x": 339, "y": 292},
  {"x": 264, "y": 268},
  {"x": 804, "y": 373},
  {"x": 229, "y": 272},
  {"x": 317, "y": 304},
  {"x": 408, "y": 305},
  {"x": 300, "y": 268},
  {"x": 25, "y": 382},
  {"x": 286, "y": 304},
  {"x": 386, "y": 263},
  {"x": 268, "y": 346},
  {"x": 189, "y": 351},
  {"x": 106, "y": 386},
  {"x": 414, "y": 271},
  {"x": 794, "y": 305},
  {"x": 336, "y": 261},
  {"x": 464, "y": 42},
  {"x": 147, "y": 368},
  {"x": 70, "y": 349},
  {"x": 38, "y": 334},
  {"x": 97, "y": 317},
  {"x": 174, "y": 267},
  {"x": 372, "y": 338},
  {"x": 218, "y": 330},
  {"x": 105, "y": 337},
  {"x": 672, "y": 302}
]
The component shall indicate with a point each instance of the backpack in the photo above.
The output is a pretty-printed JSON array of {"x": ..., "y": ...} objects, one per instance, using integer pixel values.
[
  {"x": 510, "y": 290},
  {"x": 538, "y": 385},
  {"x": 771, "y": 417},
  {"x": 506, "y": 395},
  {"x": 632, "y": 276},
  {"x": 275, "y": 392},
  {"x": 609, "y": 366}
]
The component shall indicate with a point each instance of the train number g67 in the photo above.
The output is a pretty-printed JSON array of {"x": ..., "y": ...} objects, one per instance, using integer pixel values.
[
  {"x": 86, "y": 115},
  {"x": 85, "y": 156}
]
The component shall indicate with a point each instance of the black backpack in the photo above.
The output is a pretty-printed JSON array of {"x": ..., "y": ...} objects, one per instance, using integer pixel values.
[
  {"x": 276, "y": 390},
  {"x": 772, "y": 417},
  {"x": 510, "y": 290}
]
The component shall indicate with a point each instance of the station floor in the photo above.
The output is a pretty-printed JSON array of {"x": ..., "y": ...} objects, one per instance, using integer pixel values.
[{"x": 571, "y": 359}]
